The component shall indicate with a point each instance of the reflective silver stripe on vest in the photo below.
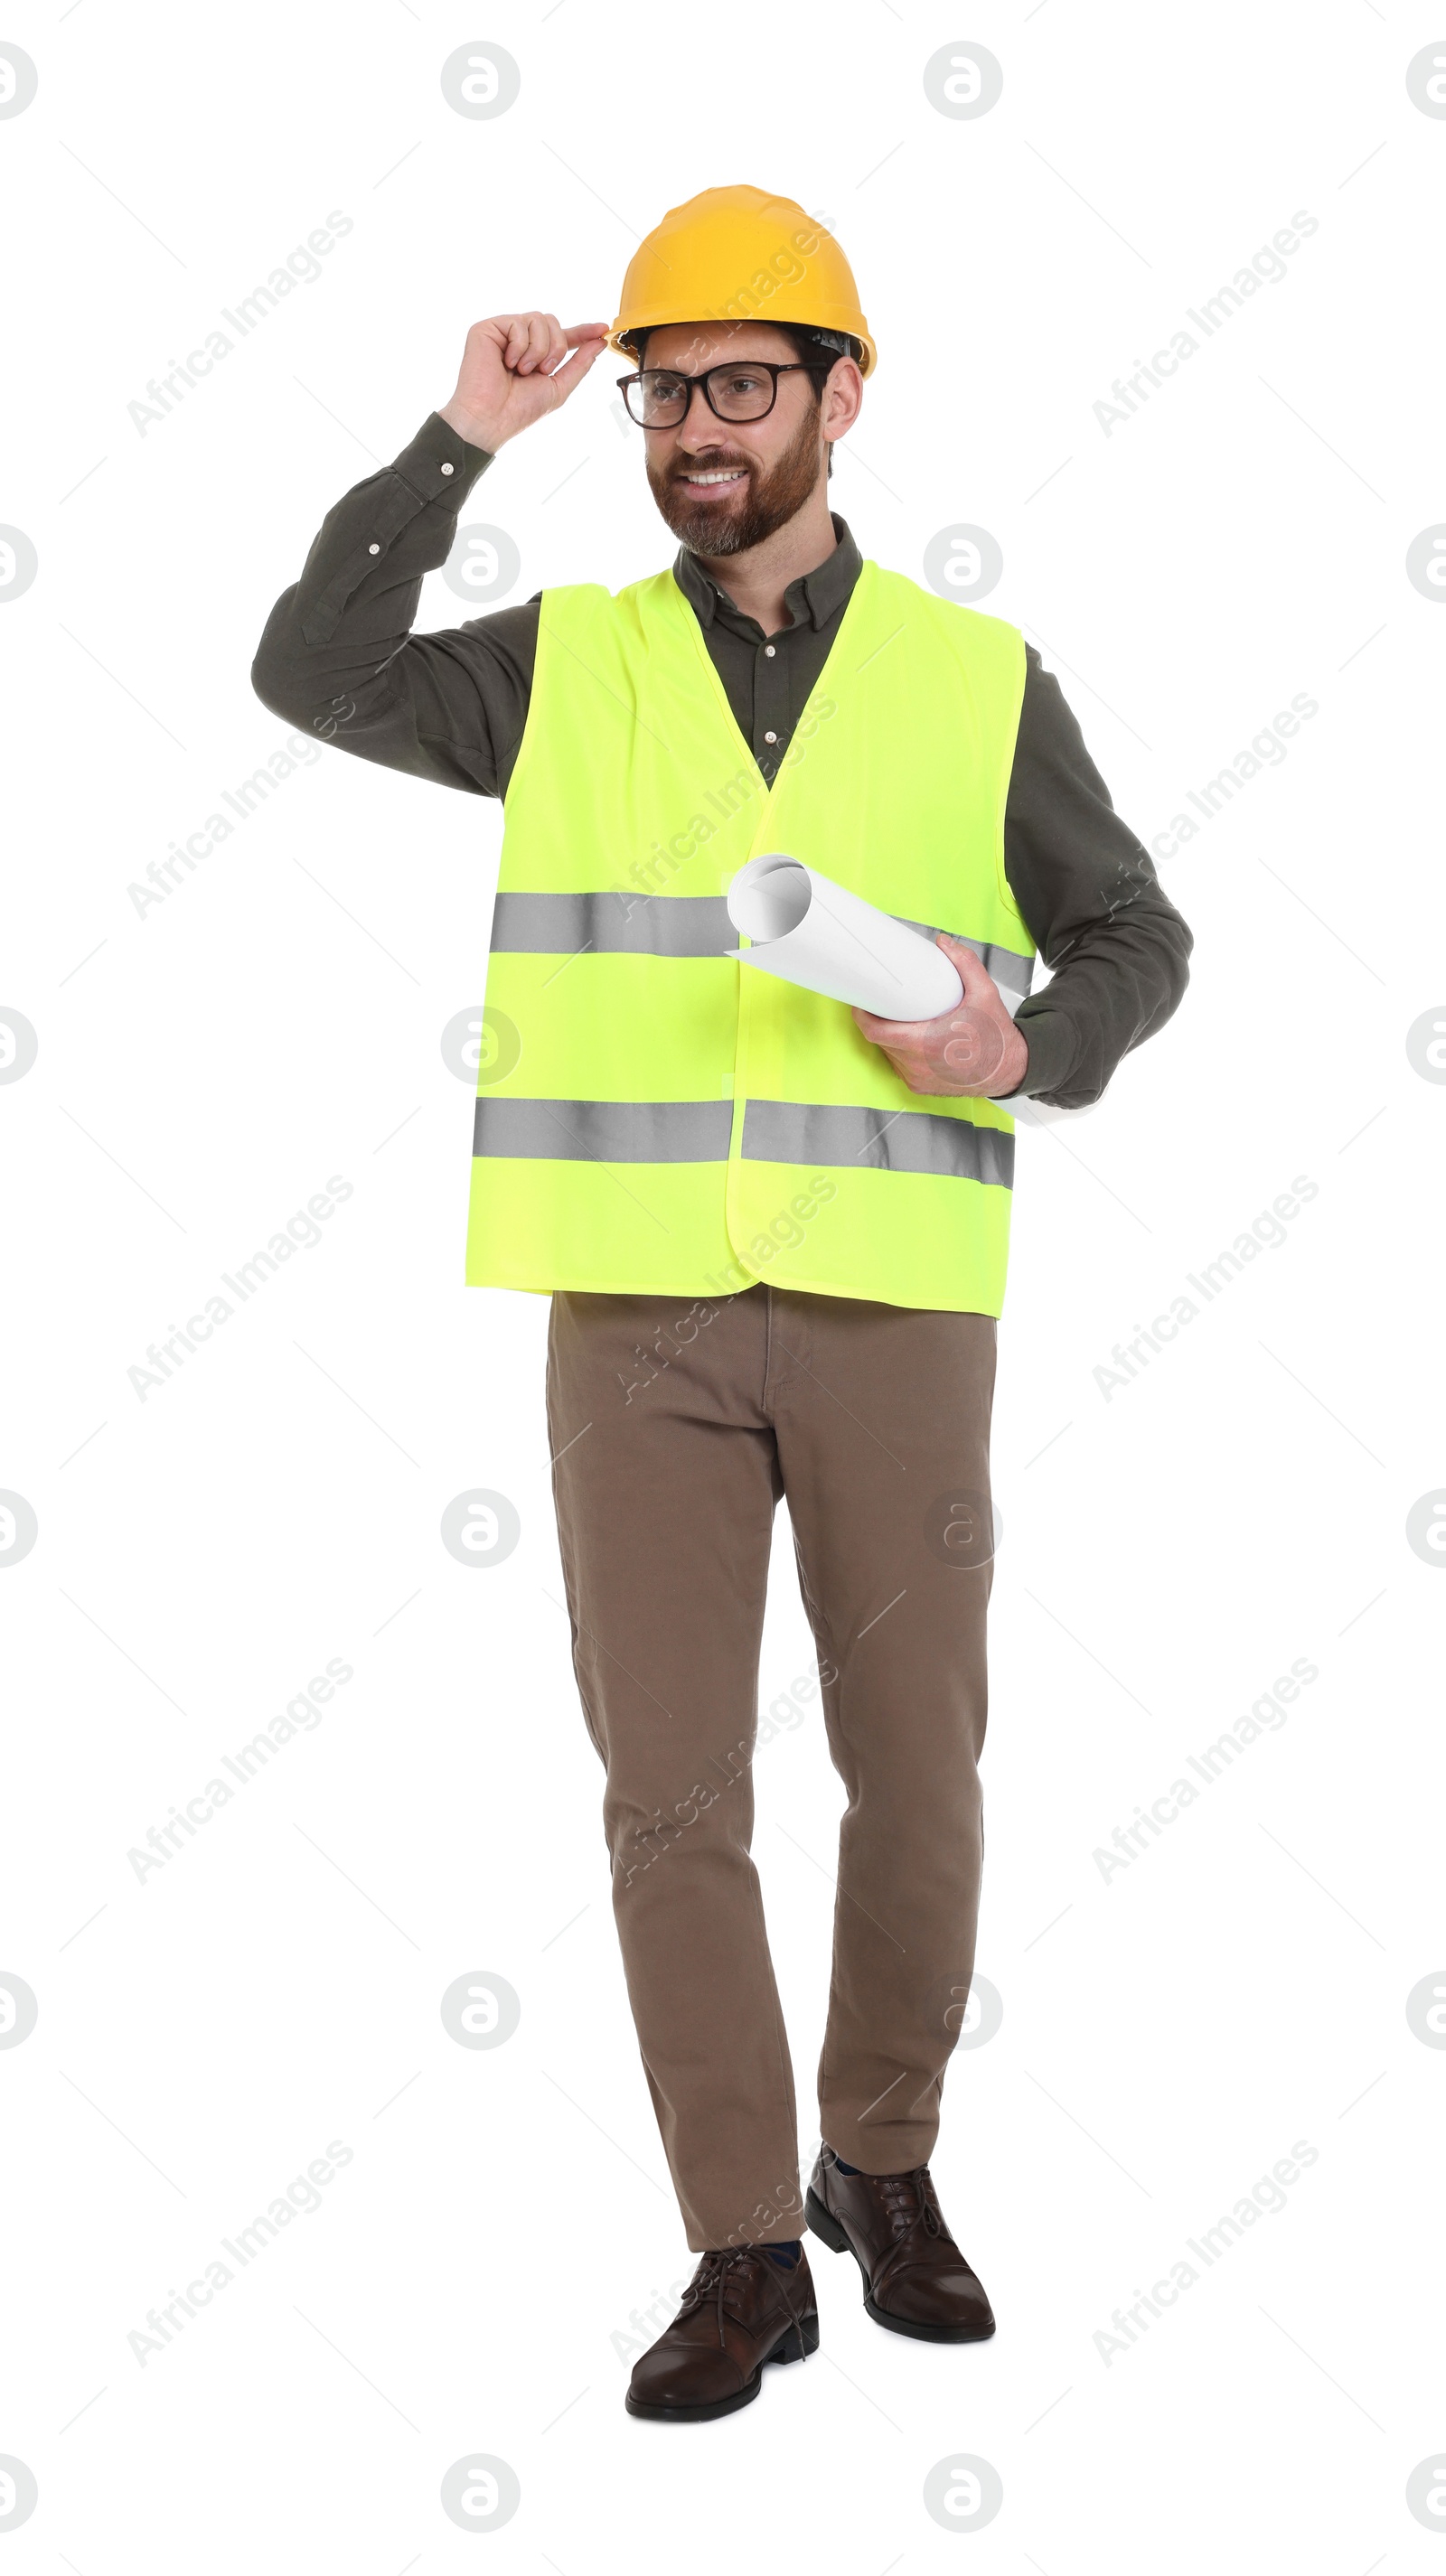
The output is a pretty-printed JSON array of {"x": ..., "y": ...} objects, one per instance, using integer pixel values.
[
  {"x": 612, "y": 925},
  {"x": 604, "y": 1131},
  {"x": 880, "y": 1140},
  {"x": 1011, "y": 972}
]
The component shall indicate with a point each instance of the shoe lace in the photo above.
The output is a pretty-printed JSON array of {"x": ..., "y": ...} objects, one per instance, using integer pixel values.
[
  {"x": 727, "y": 2269},
  {"x": 909, "y": 2201}
]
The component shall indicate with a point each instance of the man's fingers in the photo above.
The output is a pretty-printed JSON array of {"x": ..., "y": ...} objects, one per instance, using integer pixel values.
[
  {"x": 527, "y": 339},
  {"x": 586, "y": 340},
  {"x": 539, "y": 341},
  {"x": 569, "y": 376},
  {"x": 889, "y": 1032},
  {"x": 530, "y": 343},
  {"x": 973, "y": 974}
]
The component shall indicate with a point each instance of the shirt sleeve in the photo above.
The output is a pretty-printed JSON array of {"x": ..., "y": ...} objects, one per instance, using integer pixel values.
[
  {"x": 338, "y": 657},
  {"x": 1116, "y": 947}
]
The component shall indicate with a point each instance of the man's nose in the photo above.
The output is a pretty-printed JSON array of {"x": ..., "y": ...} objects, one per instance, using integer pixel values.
[{"x": 701, "y": 413}]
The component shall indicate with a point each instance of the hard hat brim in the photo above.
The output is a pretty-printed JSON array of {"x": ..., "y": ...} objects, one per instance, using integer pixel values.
[{"x": 625, "y": 328}]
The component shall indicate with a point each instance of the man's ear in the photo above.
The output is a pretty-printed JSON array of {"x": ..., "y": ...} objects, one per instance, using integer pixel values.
[
  {"x": 845, "y": 390},
  {"x": 843, "y": 394}
]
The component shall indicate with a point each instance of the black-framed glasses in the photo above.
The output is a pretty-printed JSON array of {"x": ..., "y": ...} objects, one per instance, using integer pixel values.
[{"x": 745, "y": 389}]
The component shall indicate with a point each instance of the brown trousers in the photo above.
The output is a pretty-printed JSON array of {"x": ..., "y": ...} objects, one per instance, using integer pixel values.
[{"x": 675, "y": 1429}]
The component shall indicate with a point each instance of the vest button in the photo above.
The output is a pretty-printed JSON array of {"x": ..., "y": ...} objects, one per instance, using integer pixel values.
[{"x": 770, "y": 737}]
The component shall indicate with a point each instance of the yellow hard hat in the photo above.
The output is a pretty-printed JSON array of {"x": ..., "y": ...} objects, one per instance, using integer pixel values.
[{"x": 740, "y": 255}]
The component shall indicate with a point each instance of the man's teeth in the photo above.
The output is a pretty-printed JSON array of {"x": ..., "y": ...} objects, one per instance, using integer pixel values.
[{"x": 734, "y": 475}]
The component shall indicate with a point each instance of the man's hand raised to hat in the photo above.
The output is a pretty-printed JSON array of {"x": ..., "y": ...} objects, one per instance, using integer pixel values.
[
  {"x": 511, "y": 374},
  {"x": 968, "y": 1053}
]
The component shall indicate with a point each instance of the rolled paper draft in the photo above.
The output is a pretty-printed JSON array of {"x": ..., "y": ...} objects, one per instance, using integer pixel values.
[{"x": 809, "y": 931}]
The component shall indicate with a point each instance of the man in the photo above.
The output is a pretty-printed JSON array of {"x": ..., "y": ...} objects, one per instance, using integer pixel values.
[{"x": 774, "y": 1231}]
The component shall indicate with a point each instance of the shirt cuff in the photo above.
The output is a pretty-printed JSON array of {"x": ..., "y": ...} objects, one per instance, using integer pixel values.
[
  {"x": 1052, "y": 1052},
  {"x": 439, "y": 465}
]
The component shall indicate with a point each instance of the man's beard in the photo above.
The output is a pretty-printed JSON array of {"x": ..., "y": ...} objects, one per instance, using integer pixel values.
[{"x": 770, "y": 500}]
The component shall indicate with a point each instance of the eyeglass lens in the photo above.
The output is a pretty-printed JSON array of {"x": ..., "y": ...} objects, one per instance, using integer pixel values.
[{"x": 739, "y": 392}]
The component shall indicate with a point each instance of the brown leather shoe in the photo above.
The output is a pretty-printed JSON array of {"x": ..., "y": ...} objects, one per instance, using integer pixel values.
[
  {"x": 916, "y": 2281},
  {"x": 740, "y": 2310}
]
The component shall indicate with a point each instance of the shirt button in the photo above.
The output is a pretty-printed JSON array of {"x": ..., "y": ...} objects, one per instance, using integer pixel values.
[
  {"x": 374, "y": 550},
  {"x": 446, "y": 469},
  {"x": 768, "y": 649},
  {"x": 770, "y": 737}
]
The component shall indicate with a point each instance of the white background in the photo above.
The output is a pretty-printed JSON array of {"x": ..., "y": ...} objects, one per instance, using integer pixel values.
[{"x": 204, "y": 1068}]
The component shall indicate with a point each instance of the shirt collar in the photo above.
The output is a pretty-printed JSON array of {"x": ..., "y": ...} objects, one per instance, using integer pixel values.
[{"x": 814, "y": 599}]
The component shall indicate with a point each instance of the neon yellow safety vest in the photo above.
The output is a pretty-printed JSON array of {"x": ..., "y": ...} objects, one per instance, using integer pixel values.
[{"x": 654, "y": 1116}]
